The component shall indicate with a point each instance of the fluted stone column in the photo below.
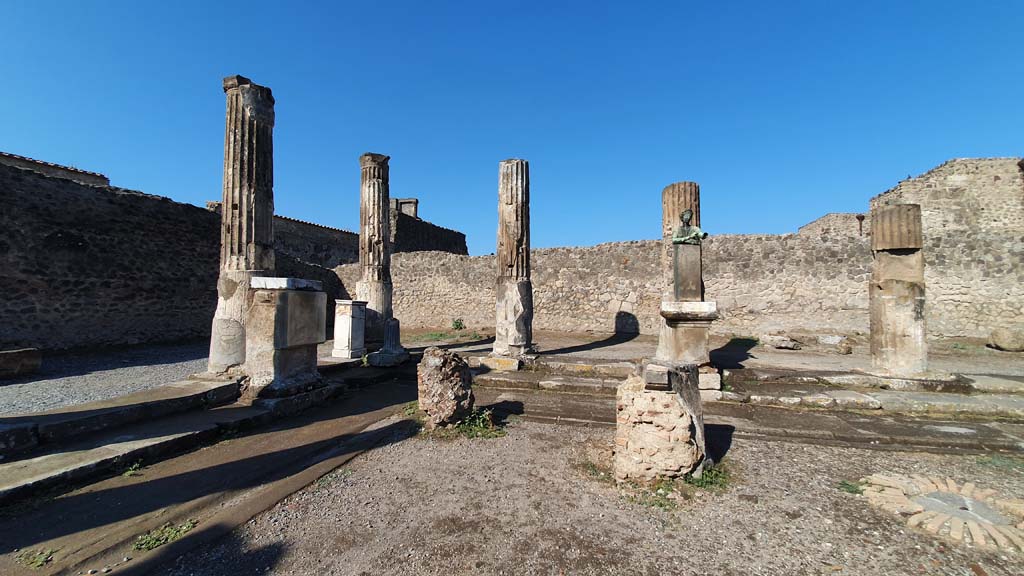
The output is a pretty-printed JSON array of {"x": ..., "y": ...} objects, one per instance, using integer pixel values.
[
  {"x": 375, "y": 244},
  {"x": 247, "y": 215},
  {"x": 896, "y": 293},
  {"x": 514, "y": 321}
]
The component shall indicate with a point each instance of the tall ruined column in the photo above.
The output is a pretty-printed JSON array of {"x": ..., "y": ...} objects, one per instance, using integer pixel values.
[
  {"x": 247, "y": 215},
  {"x": 514, "y": 322},
  {"x": 896, "y": 293},
  {"x": 375, "y": 244}
]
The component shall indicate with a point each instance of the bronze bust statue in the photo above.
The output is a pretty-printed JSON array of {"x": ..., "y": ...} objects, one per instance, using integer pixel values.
[{"x": 687, "y": 234}]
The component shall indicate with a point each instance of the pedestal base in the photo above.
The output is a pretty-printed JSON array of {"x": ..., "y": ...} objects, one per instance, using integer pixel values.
[
  {"x": 684, "y": 333},
  {"x": 513, "y": 331},
  {"x": 349, "y": 329},
  {"x": 283, "y": 330},
  {"x": 392, "y": 354},
  {"x": 227, "y": 336}
]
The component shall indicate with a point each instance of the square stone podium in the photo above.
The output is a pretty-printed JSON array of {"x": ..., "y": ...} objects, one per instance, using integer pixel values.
[
  {"x": 284, "y": 326},
  {"x": 349, "y": 329}
]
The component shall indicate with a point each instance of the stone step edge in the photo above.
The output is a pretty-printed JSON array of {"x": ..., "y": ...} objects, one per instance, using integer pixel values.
[
  {"x": 260, "y": 413},
  {"x": 21, "y": 439},
  {"x": 817, "y": 402},
  {"x": 576, "y": 385}
]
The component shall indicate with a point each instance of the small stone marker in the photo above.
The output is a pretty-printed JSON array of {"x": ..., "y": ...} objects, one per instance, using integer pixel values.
[
  {"x": 392, "y": 354},
  {"x": 349, "y": 329},
  {"x": 445, "y": 387}
]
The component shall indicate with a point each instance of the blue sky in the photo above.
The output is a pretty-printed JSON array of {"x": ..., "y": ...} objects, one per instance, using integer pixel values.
[{"x": 782, "y": 111}]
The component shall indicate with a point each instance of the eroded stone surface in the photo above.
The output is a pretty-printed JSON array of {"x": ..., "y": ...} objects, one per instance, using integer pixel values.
[
  {"x": 659, "y": 433},
  {"x": 374, "y": 286},
  {"x": 445, "y": 387},
  {"x": 1007, "y": 339},
  {"x": 514, "y": 292}
]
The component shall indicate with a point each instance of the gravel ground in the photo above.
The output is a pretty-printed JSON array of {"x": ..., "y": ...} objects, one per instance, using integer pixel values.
[
  {"x": 79, "y": 377},
  {"x": 527, "y": 504}
]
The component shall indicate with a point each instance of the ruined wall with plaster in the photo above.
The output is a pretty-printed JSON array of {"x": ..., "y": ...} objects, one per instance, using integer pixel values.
[{"x": 811, "y": 281}]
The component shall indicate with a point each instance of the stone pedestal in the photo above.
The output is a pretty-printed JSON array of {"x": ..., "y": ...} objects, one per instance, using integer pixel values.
[
  {"x": 247, "y": 215},
  {"x": 513, "y": 331},
  {"x": 392, "y": 353},
  {"x": 349, "y": 329},
  {"x": 283, "y": 329},
  {"x": 684, "y": 334},
  {"x": 897, "y": 293},
  {"x": 659, "y": 430}
]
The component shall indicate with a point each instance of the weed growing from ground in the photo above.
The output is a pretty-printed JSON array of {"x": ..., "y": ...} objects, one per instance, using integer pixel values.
[
  {"x": 133, "y": 470},
  {"x": 1007, "y": 463},
  {"x": 714, "y": 477},
  {"x": 163, "y": 535},
  {"x": 850, "y": 487},
  {"x": 479, "y": 424},
  {"x": 36, "y": 558},
  {"x": 458, "y": 324}
]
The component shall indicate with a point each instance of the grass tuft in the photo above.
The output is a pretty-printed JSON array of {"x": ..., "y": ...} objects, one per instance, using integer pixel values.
[
  {"x": 1006, "y": 463},
  {"x": 479, "y": 424},
  {"x": 36, "y": 558},
  {"x": 851, "y": 487},
  {"x": 163, "y": 535},
  {"x": 714, "y": 477},
  {"x": 133, "y": 470}
]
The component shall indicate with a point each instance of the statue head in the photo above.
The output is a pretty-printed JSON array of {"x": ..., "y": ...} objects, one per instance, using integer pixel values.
[{"x": 686, "y": 216}]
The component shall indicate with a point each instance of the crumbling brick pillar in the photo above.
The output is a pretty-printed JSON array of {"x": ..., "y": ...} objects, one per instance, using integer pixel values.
[
  {"x": 375, "y": 244},
  {"x": 247, "y": 215},
  {"x": 514, "y": 319},
  {"x": 896, "y": 293}
]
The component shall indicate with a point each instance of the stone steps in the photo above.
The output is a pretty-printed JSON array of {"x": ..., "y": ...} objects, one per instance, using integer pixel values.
[
  {"x": 31, "y": 431},
  {"x": 617, "y": 370},
  {"x": 116, "y": 449},
  {"x": 531, "y": 380}
]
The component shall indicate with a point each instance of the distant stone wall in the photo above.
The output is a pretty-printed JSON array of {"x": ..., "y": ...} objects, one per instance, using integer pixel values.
[
  {"x": 91, "y": 266},
  {"x": 320, "y": 245},
  {"x": 761, "y": 282},
  {"x": 54, "y": 170},
  {"x": 812, "y": 281},
  {"x": 972, "y": 213},
  {"x": 410, "y": 234}
]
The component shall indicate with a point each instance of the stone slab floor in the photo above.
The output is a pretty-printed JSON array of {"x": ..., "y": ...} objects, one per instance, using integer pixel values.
[
  {"x": 526, "y": 503},
  {"x": 67, "y": 379}
]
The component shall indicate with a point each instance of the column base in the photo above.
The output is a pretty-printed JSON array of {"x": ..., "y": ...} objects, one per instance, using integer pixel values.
[
  {"x": 513, "y": 329},
  {"x": 684, "y": 333}
]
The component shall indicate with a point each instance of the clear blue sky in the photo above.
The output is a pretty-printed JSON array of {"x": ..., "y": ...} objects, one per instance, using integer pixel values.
[{"x": 782, "y": 111}]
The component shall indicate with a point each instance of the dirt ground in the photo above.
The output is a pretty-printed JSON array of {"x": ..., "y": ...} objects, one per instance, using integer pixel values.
[{"x": 532, "y": 503}]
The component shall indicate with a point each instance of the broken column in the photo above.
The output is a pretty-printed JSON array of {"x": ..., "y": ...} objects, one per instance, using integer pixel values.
[
  {"x": 514, "y": 321},
  {"x": 659, "y": 431},
  {"x": 896, "y": 293},
  {"x": 247, "y": 215},
  {"x": 375, "y": 244},
  {"x": 349, "y": 329},
  {"x": 687, "y": 317},
  {"x": 445, "y": 388},
  {"x": 284, "y": 325}
]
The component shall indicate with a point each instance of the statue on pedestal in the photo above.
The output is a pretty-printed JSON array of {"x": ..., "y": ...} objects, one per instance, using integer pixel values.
[{"x": 686, "y": 233}]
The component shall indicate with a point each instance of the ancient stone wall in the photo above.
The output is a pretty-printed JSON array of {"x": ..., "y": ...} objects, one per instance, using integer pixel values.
[
  {"x": 410, "y": 234},
  {"x": 813, "y": 281},
  {"x": 315, "y": 244},
  {"x": 55, "y": 170},
  {"x": 761, "y": 282},
  {"x": 90, "y": 265}
]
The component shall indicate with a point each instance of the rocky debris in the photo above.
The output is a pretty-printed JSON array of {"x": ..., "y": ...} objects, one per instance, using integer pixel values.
[
  {"x": 836, "y": 343},
  {"x": 779, "y": 341},
  {"x": 1007, "y": 339},
  {"x": 445, "y": 387}
]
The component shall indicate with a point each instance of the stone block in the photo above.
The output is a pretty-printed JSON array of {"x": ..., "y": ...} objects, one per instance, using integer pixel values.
[
  {"x": 21, "y": 362},
  {"x": 709, "y": 381},
  {"x": 514, "y": 327},
  {"x": 500, "y": 363},
  {"x": 1007, "y": 339},
  {"x": 896, "y": 227},
  {"x": 392, "y": 353},
  {"x": 688, "y": 285},
  {"x": 272, "y": 283},
  {"x": 283, "y": 329}
]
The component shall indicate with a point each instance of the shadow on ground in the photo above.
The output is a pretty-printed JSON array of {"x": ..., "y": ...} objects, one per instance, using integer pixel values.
[
  {"x": 627, "y": 328},
  {"x": 171, "y": 482},
  {"x": 733, "y": 353}
]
